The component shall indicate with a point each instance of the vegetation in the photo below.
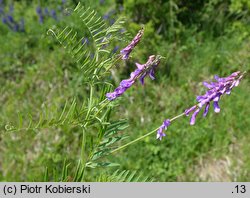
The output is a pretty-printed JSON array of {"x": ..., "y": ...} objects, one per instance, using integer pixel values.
[{"x": 60, "y": 58}]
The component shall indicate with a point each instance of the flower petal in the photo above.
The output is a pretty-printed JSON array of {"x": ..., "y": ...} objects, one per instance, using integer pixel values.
[
  {"x": 209, "y": 86},
  {"x": 187, "y": 111},
  {"x": 127, "y": 50},
  {"x": 135, "y": 74},
  {"x": 193, "y": 117},
  {"x": 200, "y": 98},
  {"x": 166, "y": 123},
  {"x": 206, "y": 109},
  {"x": 160, "y": 135},
  {"x": 228, "y": 92},
  {"x": 216, "y": 107},
  {"x": 111, "y": 96},
  {"x": 126, "y": 83},
  {"x": 139, "y": 66},
  {"x": 142, "y": 78},
  {"x": 152, "y": 73}
]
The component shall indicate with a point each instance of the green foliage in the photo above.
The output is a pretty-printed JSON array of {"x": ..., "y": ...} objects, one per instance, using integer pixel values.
[
  {"x": 64, "y": 176},
  {"x": 53, "y": 90},
  {"x": 124, "y": 176},
  {"x": 78, "y": 175},
  {"x": 172, "y": 18},
  {"x": 93, "y": 114},
  {"x": 92, "y": 60}
]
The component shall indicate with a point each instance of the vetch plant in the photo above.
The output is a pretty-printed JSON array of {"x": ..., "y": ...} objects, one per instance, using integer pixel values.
[
  {"x": 215, "y": 91},
  {"x": 160, "y": 131},
  {"x": 213, "y": 95},
  {"x": 127, "y": 50},
  {"x": 88, "y": 114},
  {"x": 140, "y": 73},
  {"x": 143, "y": 70}
]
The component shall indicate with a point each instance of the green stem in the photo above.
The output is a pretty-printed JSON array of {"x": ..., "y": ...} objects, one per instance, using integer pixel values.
[
  {"x": 119, "y": 58},
  {"x": 134, "y": 141},
  {"x": 83, "y": 145},
  {"x": 176, "y": 117},
  {"x": 102, "y": 107},
  {"x": 90, "y": 104},
  {"x": 148, "y": 134}
]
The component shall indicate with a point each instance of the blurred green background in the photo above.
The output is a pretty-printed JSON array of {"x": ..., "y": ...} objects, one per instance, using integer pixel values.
[{"x": 199, "y": 38}]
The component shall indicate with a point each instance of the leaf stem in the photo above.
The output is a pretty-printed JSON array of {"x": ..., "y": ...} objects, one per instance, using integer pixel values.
[
  {"x": 89, "y": 104},
  {"x": 147, "y": 134},
  {"x": 134, "y": 141},
  {"x": 118, "y": 58}
]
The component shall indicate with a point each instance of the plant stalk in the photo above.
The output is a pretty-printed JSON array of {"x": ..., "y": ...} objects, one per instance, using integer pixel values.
[{"x": 148, "y": 134}]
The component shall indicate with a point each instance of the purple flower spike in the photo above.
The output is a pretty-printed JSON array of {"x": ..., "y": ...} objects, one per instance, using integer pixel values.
[
  {"x": 164, "y": 126},
  {"x": 140, "y": 73},
  {"x": 213, "y": 94},
  {"x": 127, "y": 50}
]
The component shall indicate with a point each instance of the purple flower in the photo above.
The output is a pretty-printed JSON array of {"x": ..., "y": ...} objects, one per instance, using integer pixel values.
[
  {"x": 127, "y": 50},
  {"x": 10, "y": 18},
  {"x": 40, "y": 14},
  {"x": 106, "y": 17},
  {"x": 160, "y": 131},
  {"x": 191, "y": 109},
  {"x": 6, "y": 22},
  {"x": 39, "y": 10},
  {"x": 115, "y": 49},
  {"x": 141, "y": 72},
  {"x": 215, "y": 91},
  {"x": 150, "y": 73},
  {"x": 193, "y": 117},
  {"x": 46, "y": 11},
  {"x": 53, "y": 14},
  {"x": 9, "y": 21}
]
